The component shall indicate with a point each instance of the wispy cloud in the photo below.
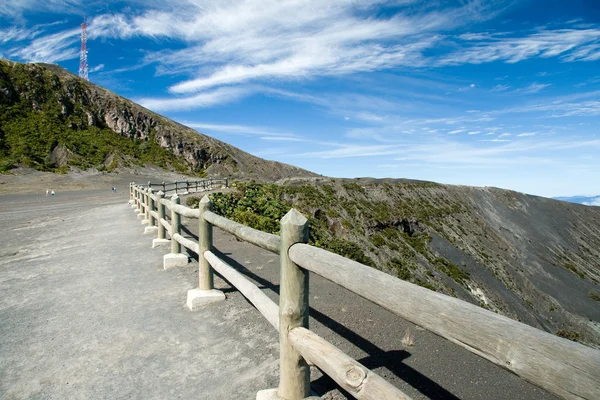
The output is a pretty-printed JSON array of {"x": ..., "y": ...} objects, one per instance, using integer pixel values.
[
  {"x": 245, "y": 130},
  {"x": 16, "y": 8},
  {"x": 204, "y": 99},
  {"x": 569, "y": 44},
  {"x": 531, "y": 89},
  {"x": 50, "y": 48},
  {"x": 97, "y": 68}
]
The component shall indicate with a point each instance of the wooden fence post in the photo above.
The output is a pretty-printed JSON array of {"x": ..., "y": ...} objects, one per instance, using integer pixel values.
[
  {"x": 164, "y": 190},
  {"x": 205, "y": 293},
  {"x": 175, "y": 258},
  {"x": 133, "y": 194},
  {"x": 151, "y": 228},
  {"x": 175, "y": 225},
  {"x": 130, "y": 193},
  {"x": 146, "y": 219},
  {"x": 294, "y": 372},
  {"x": 160, "y": 239},
  {"x": 135, "y": 198},
  {"x": 141, "y": 214},
  {"x": 205, "y": 239}
]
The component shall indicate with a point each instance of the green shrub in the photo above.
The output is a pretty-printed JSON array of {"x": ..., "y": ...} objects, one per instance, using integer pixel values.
[
  {"x": 452, "y": 270},
  {"x": 567, "y": 334},
  {"x": 192, "y": 201},
  {"x": 573, "y": 268},
  {"x": 594, "y": 295}
]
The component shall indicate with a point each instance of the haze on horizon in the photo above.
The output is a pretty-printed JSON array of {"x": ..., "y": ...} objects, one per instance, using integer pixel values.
[{"x": 487, "y": 93}]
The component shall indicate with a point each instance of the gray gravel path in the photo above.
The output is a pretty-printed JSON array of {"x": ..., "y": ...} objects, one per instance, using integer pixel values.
[{"x": 86, "y": 311}]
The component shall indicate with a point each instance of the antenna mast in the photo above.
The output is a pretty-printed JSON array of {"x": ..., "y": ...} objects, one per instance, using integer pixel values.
[{"x": 83, "y": 64}]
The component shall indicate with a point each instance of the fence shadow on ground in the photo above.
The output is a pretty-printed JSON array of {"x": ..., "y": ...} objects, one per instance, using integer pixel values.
[{"x": 391, "y": 360}]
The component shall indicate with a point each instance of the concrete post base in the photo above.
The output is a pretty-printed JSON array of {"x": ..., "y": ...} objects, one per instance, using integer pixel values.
[
  {"x": 144, "y": 221},
  {"x": 160, "y": 242},
  {"x": 130, "y": 202},
  {"x": 141, "y": 216},
  {"x": 150, "y": 229},
  {"x": 174, "y": 260},
  {"x": 133, "y": 206},
  {"x": 271, "y": 394},
  {"x": 197, "y": 298}
]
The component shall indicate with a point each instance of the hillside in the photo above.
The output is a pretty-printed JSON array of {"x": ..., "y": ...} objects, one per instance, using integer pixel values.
[
  {"x": 531, "y": 258},
  {"x": 51, "y": 120}
]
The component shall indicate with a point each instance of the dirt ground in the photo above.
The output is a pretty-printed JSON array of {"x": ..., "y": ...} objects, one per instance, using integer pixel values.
[{"x": 25, "y": 180}]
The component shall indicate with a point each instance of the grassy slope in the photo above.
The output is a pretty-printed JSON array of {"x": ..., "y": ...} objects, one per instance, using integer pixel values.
[{"x": 48, "y": 115}]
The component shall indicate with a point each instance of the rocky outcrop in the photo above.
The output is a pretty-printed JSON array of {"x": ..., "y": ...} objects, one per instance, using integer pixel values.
[{"x": 82, "y": 104}]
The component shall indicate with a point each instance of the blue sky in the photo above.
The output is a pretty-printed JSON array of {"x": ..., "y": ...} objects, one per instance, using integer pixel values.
[{"x": 487, "y": 93}]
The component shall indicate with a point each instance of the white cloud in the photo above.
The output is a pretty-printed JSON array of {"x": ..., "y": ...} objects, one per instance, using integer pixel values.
[
  {"x": 454, "y": 132},
  {"x": 531, "y": 89},
  {"x": 50, "y": 48},
  {"x": 474, "y": 133},
  {"x": 594, "y": 202},
  {"x": 500, "y": 88},
  {"x": 204, "y": 99},
  {"x": 354, "y": 150},
  {"x": 233, "y": 42},
  {"x": 569, "y": 44},
  {"x": 526, "y": 134},
  {"x": 97, "y": 68},
  {"x": 16, "y": 8},
  {"x": 264, "y": 133}
]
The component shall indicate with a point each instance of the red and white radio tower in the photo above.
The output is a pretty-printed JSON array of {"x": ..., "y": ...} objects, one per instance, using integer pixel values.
[{"x": 83, "y": 64}]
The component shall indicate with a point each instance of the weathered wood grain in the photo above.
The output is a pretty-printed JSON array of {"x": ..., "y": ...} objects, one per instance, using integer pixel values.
[
  {"x": 263, "y": 304},
  {"x": 205, "y": 243},
  {"x": 261, "y": 239},
  {"x": 294, "y": 372},
  {"x": 187, "y": 243},
  {"x": 186, "y": 211},
  {"x": 351, "y": 375},
  {"x": 167, "y": 226},
  {"x": 565, "y": 368}
]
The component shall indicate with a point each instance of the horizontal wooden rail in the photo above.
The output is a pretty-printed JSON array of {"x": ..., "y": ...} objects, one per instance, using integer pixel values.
[
  {"x": 558, "y": 365},
  {"x": 166, "y": 203},
  {"x": 154, "y": 214},
  {"x": 187, "y": 243},
  {"x": 261, "y": 239},
  {"x": 263, "y": 304},
  {"x": 351, "y": 375},
  {"x": 166, "y": 225},
  {"x": 186, "y": 211}
]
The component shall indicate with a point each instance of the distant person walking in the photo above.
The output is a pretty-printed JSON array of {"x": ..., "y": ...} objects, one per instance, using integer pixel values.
[
  {"x": 53, "y": 193},
  {"x": 114, "y": 190},
  {"x": 47, "y": 192}
]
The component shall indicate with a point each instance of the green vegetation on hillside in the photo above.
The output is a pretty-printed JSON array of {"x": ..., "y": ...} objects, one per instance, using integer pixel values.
[
  {"x": 344, "y": 220},
  {"x": 41, "y": 113}
]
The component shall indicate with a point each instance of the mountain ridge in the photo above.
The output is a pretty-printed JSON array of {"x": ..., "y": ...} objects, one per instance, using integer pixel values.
[{"x": 59, "y": 113}]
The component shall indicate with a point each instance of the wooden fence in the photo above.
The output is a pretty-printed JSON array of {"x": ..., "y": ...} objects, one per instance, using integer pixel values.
[
  {"x": 562, "y": 367},
  {"x": 187, "y": 186}
]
